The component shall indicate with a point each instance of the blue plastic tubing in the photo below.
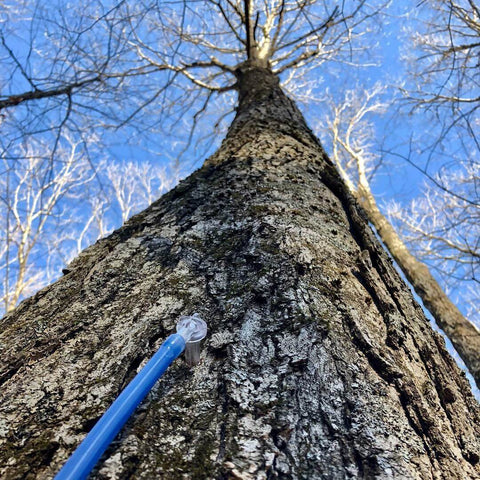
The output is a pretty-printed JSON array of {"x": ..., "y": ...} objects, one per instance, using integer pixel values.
[{"x": 105, "y": 430}]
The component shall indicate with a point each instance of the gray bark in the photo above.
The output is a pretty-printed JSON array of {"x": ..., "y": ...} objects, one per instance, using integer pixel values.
[{"x": 318, "y": 363}]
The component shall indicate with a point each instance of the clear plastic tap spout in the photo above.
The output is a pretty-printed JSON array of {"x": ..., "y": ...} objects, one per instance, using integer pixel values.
[{"x": 193, "y": 329}]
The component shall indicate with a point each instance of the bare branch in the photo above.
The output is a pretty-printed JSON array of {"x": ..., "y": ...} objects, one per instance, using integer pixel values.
[{"x": 14, "y": 100}]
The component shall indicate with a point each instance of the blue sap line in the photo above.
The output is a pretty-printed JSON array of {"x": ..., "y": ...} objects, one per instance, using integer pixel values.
[{"x": 105, "y": 430}]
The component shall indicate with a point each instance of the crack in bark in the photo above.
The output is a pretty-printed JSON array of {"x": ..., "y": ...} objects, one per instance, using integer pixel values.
[{"x": 223, "y": 395}]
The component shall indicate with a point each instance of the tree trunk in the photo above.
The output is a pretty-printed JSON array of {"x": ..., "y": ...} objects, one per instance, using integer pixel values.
[{"x": 318, "y": 363}]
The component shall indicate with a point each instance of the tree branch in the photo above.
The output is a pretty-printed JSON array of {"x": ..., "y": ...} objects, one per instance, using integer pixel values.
[{"x": 14, "y": 100}]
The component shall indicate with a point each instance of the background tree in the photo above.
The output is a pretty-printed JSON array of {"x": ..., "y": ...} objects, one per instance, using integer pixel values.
[
  {"x": 443, "y": 228},
  {"x": 32, "y": 223},
  {"x": 445, "y": 88},
  {"x": 349, "y": 129},
  {"x": 440, "y": 226},
  {"x": 319, "y": 364},
  {"x": 51, "y": 211}
]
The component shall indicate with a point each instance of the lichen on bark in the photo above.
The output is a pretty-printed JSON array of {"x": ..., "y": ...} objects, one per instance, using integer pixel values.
[{"x": 318, "y": 365}]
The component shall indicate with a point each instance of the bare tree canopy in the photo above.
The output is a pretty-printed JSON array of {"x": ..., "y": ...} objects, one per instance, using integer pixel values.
[
  {"x": 110, "y": 63},
  {"x": 50, "y": 212},
  {"x": 446, "y": 66}
]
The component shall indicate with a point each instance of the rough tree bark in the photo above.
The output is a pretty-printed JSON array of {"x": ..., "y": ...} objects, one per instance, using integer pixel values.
[
  {"x": 318, "y": 364},
  {"x": 463, "y": 334}
]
